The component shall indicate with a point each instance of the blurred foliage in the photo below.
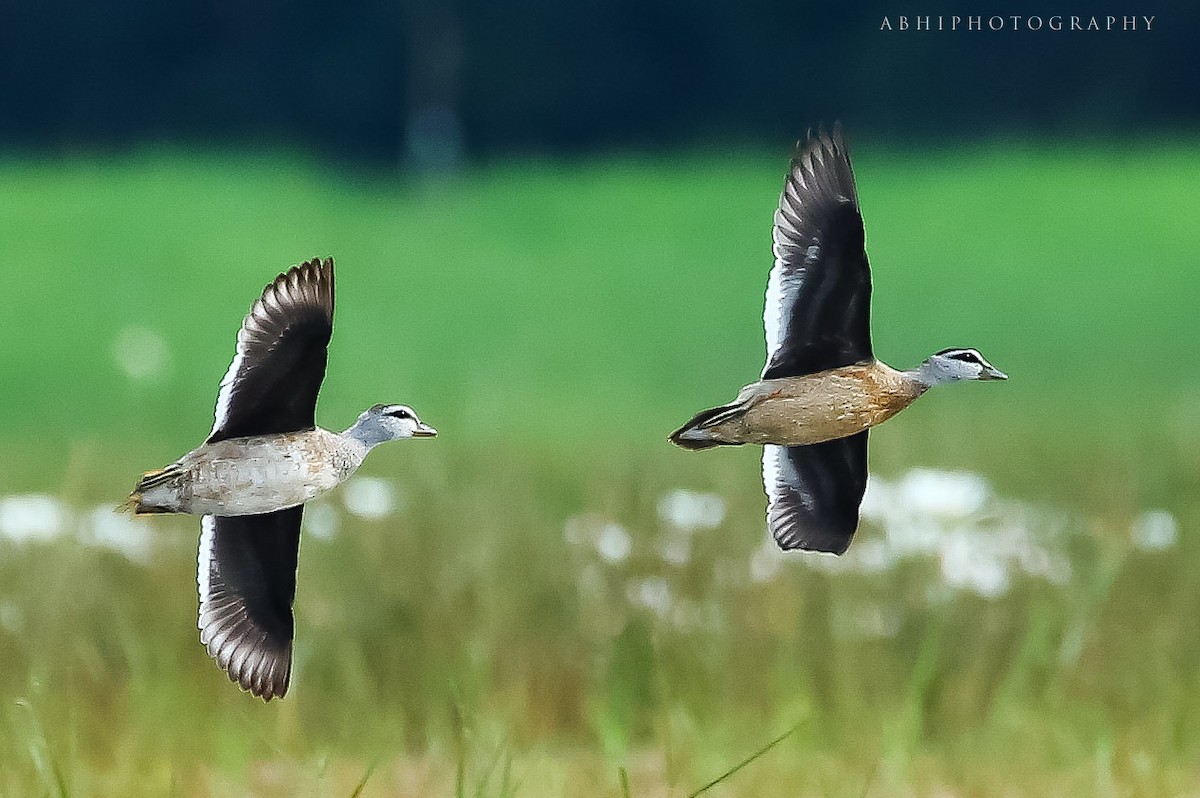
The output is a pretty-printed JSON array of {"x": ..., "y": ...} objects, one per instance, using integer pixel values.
[
  {"x": 466, "y": 632},
  {"x": 555, "y": 320},
  {"x": 1028, "y": 193},
  {"x": 565, "y": 301},
  {"x": 427, "y": 81}
]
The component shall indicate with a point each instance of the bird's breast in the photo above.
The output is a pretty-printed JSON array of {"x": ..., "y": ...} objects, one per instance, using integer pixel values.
[
  {"x": 245, "y": 476},
  {"x": 798, "y": 411}
]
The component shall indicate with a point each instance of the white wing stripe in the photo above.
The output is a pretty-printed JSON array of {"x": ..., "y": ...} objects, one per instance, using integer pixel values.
[
  {"x": 204, "y": 561},
  {"x": 225, "y": 392},
  {"x": 261, "y": 312},
  {"x": 777, "y": 290},
  {"x": 771, "y": 472}
]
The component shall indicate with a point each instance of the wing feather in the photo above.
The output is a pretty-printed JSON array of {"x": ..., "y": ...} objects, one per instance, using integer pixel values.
[
  {"x": 814, "y": 492},
  {"x": 247, "y": 582},
  {"x": 272, "y": 384},
  {"x": 817, "y": 311}
]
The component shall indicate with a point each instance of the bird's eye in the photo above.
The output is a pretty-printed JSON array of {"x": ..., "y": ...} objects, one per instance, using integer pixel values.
[
  {"x": 966, "y": 357},
  {"x": 402, "y": 413}
]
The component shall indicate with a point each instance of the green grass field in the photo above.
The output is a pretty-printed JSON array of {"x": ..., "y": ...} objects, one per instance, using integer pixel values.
[{"x": 555, "y": 320}]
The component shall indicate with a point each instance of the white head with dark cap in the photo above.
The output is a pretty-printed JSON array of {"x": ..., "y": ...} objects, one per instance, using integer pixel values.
[
  {"x": 383, "y": 423},
  {"x": 956, "y": 365}
]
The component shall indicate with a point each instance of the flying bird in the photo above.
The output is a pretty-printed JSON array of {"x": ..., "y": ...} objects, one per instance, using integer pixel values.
[
  {"x": 265, "y": 458},
  {"x": 822, "y": 388}
]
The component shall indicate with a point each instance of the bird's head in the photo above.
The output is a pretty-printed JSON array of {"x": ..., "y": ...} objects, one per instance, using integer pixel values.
[
  {"x": 383, "y": 423},
  {"x": 955, "y": 365}
]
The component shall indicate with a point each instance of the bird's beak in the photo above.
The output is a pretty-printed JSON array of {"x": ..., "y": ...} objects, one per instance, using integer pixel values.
[
  {"x": 425, "y": 431},
  {"x": 992, "y": 373}
]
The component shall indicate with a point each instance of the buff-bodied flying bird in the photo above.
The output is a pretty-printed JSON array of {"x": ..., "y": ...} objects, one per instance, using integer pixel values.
[{"x": 821, "y": 388}]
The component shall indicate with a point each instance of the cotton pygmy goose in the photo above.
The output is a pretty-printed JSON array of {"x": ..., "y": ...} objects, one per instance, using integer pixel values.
[
  {"x": 821, "y": 388},
  {"x": 265, "y": 458}
]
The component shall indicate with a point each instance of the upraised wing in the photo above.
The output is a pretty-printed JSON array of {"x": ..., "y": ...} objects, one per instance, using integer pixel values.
[
  {"x": 817, "y": 313},
  {"x": 272, "y": 384}
]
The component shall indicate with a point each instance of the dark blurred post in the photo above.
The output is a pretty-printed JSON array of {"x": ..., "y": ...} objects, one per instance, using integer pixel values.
[{"x": 433, "y": 134}]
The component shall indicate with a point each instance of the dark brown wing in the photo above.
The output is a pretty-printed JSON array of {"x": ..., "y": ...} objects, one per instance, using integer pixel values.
[
  {"x": 247, "y": 580},
  {"x": 813, "y": 492},
  {"x": 818, "y": 309},
  {"x": 272, "y": 384}
]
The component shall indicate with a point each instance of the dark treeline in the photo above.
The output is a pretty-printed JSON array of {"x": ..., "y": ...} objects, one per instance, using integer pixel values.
[{"x": 430, "y": 81}]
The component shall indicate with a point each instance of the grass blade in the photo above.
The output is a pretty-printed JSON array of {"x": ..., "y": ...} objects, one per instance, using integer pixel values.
[
  {"x": 362, "y": 784},
  {"x": 760, "y": 752}
]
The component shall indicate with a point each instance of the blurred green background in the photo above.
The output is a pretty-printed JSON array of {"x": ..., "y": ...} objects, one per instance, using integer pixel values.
[{"x": 552, "y": 231}]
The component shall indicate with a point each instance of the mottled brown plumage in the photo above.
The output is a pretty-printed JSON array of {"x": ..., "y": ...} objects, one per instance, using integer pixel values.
[{"x": 799, "y": 411}]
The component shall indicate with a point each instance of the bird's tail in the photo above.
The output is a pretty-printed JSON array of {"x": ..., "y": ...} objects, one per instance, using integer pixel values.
[
  {"x": 700, "y": 431},
  {"x": 137, "y": 498}
]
